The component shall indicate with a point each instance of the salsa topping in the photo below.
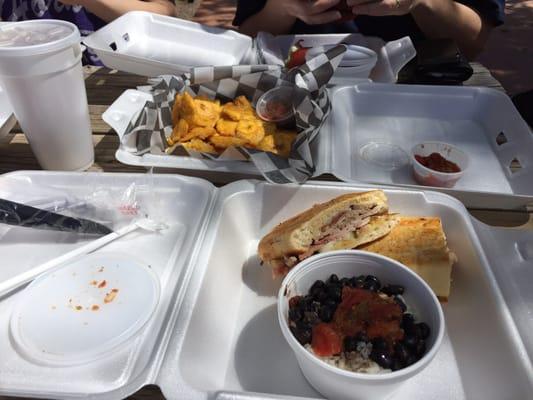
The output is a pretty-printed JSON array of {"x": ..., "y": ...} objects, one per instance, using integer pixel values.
[
  {"x": 437, "y": 162},
  {"x": 358, "y": 316}
]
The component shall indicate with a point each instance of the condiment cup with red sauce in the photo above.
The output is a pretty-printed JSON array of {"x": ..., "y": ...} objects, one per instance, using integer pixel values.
[
  {"x": 432, "y": 173},
  {"x": 338, "y": 384},
  {"x": 275, "y": 105}
]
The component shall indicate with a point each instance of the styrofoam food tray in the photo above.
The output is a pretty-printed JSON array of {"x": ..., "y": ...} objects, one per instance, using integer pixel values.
[
  {"x": 149, "y": 44},
  {"x": 7, "y": 118},
  {"x": 391, "y": 56},
  {"x": 216, "y": 335},
  {"x": 470, "y": 118}
]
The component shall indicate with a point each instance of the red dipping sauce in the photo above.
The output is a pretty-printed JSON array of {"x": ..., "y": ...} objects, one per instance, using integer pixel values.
[
  {"x": 276, "y": 110},
  {"x": 436, "y": 162}
]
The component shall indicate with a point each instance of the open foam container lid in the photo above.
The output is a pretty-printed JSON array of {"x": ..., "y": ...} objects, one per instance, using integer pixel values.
[{"x": 213, "y": 334}]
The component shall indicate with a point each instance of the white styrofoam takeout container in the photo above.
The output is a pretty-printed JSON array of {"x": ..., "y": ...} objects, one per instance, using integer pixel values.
[
  {"x": 473, "y": 119},
  {"x": 339, "y": 384},
  {"x": 7, "y": 118},
  {"x": 214, "y": 334},
  {"x": 149, "y": 44}
]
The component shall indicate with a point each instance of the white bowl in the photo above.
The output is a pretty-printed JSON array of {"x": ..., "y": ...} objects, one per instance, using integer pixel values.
[
  {"x": 429, "y": 177},
  {"x": 338, "y": 384}
]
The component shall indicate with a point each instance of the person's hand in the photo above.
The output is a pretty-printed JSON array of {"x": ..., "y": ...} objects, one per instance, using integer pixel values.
[
  {"x": 312, "y": 12},
  {"x": 381, "y": 7}
]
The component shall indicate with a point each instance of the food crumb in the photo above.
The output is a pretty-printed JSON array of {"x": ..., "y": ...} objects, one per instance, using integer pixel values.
[
  {"x": 78, "y": 308},
  {"x": 110, "y": 296},
  {"x": 93, "y": 283},
  {"x": 101, "y": 269},
  {"x": 102, "y": 284},
  {"x": 95, "y": 307}
]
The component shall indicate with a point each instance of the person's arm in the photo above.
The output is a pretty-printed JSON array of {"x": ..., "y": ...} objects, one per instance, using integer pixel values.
[
  {"x": 436, "y": 19},
  {"x": 108, "y": 10},
  {"x": 278, "y": 16}
]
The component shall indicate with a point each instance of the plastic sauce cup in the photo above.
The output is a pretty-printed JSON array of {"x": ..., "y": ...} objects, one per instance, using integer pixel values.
[
  {"x": 429, "y": 177},
  {"x": 275, "y": 105},
  {"x": 41, "y": 73},
  {"x": 339, "y": 384}
]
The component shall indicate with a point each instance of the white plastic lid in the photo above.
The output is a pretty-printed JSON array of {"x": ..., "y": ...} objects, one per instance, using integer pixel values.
[
  {"x": 384, "y": 155},
  {"x": 84, "y": 310},
  {"x": 32, "y": 37}
]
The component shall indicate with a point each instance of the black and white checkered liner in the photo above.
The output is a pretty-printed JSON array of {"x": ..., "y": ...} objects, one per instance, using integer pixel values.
[{"x": 149, "y": 130}]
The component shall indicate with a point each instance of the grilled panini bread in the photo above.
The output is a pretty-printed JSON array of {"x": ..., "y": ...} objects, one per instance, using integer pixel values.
[
  {"x": 305, "y": 234},
  {"x": 420, "y": 244}
]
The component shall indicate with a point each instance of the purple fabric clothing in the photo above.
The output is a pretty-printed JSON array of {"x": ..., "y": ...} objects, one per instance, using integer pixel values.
[{"x": 21, "y": 10}]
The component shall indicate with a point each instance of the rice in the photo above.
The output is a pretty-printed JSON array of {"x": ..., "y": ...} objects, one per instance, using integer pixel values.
[{"x": 354, "y": 361}]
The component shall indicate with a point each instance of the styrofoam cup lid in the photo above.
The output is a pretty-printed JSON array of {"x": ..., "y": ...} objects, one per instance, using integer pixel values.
[
  {"x": 84, "y": 310},
  {"x": 32, "y": 37}
]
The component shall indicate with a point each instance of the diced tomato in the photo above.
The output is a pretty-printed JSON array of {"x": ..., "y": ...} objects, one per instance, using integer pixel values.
[{"x": 326, "y": 341}]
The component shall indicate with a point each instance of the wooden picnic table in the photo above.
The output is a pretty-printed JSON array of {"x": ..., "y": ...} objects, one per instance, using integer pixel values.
[{"x": 104, "y": 86}]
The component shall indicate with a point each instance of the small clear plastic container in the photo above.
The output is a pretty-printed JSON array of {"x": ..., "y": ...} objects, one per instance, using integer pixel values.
[
  {"x": 275, "y": 105},
  {"x": 430, "y": 177},
  {"x": 339, "y": 384}
]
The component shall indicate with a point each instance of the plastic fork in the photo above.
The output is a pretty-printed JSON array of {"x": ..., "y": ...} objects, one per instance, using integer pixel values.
[{"x": 17, "y": 281}]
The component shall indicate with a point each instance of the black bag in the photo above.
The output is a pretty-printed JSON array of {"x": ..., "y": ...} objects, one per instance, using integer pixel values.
[{"x": 438, "y": 62}]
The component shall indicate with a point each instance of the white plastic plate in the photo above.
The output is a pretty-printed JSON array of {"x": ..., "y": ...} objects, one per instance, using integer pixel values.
[{"x": 84, "y": 310}]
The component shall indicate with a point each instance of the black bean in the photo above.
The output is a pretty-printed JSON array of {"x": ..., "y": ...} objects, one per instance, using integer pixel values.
[
  {"x": 379, "y": 343},
  {"x": 330, "y": 303},
  {"x": 295, "y": 314},
  {"x": 400, "y": 302},
  {"x": 410, "y": 341},
  {"x": 362, "y": 337},
  {"x": 317, "y": 287},
  {"x": 423, "y": 330},
  {"x": 295, "y": 301},
  {"x": 410, "y": 360},
  {"x": 373, "y": 281},
  {"x": 397, "y": 364},
  {"x": 345, "y": 282},
  {"x": 382, "y": 358},
  {"x": 350, "y": 343},
  {"x": 302, "y": 334},
  {"x": 320, "y": 295},
  {"x": 311, "y": 305},
  {"x": 401, "y": 352},
  {"x": 334, "y": 293},
  {"x": 372, "y": 286},
  {"x": 359, "y": 281},
  {"x": 333, "y": 279},
  {"x": 407, "y": 320},
  {"x": 326, "y": 313},
  {"x": 311, "y": 318},
  {"x": 420, "y": 348},
  {"x": 392, "y": 290}
]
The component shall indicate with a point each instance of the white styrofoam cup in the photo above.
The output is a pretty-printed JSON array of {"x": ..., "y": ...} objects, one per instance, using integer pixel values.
[{"x": 43, "y": 80}]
